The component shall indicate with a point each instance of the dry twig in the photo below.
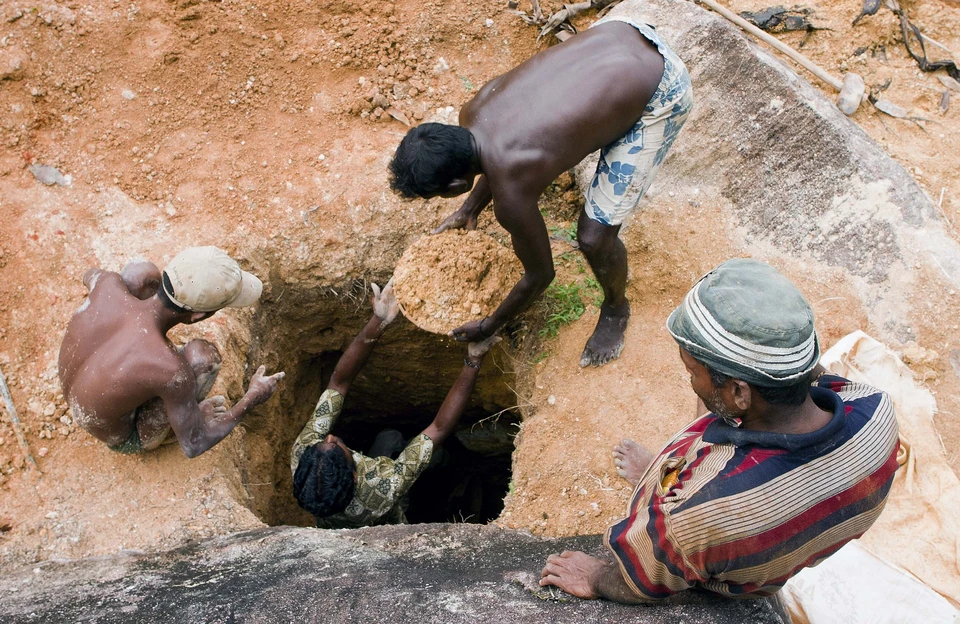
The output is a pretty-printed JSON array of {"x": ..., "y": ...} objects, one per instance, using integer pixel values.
[{"x": 15, "y": 421}]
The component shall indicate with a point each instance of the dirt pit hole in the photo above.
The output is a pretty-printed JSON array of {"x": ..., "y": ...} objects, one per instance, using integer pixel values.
[{"x": 401, "y": 387}]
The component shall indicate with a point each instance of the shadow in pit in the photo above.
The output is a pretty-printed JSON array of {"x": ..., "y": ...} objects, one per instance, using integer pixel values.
[{"x": 470, "y": 474}]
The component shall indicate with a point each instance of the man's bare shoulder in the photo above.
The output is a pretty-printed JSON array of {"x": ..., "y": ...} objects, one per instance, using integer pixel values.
[{"x": 157, "y": 365}]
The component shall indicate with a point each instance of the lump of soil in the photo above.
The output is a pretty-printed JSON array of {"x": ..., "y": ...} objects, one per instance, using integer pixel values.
[{"x": 449, "y": 279}]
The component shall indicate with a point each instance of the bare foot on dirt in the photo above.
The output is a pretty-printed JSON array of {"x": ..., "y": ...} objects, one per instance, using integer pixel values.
[
  {"x": 631, "y": 460},
  {"x": 606, "y": 343}
]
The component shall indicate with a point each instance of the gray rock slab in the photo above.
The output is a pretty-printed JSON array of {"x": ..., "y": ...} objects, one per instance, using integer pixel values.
[
  {"x": 799, "y": 178},
  {"x": 415, "y": 573}
]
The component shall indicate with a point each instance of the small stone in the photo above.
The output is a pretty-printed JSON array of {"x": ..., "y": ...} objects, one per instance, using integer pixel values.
[
  {"x": 11, "y": 64},
  {"x": 488, "y": 23},
  {"x": 66, "y": 420},
  {"x": 552, "y": 400},
  {"x": 42, "y": 452},
  {"x": 476, "y": 309},
  {"x": 51, "y": 515},
  {"x": 49, "y": 176},
  {"x": 127, "y": 94},
  {"x": 49, "y": 409}
]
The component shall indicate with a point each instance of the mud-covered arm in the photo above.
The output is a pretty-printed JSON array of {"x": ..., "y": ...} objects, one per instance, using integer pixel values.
[
  {"x": 448, "y": 416},
  {"x": 528, "y": 233},
  {"x": 319, "y": 424},
  {"x": 199, "y": 426},
  {"x": 141, "y": 277},
  {"x": 385, "y": 310}
]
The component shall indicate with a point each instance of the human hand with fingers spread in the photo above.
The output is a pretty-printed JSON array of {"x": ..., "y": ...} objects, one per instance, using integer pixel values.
[
  {"x": 572, "y": 571},
  {"x": 385, "y": 305},
  {"x": 262, "y": 387}
]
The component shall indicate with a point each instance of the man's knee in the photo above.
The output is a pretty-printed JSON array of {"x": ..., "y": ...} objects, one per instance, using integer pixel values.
[
  {"x": 202, "y": 355},
  {"x": 595, "y": 238},
  {"x": 204, "y": 358}
]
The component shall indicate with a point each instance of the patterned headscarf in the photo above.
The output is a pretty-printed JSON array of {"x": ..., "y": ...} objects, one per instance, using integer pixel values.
[{"x": 746, "y": 320}]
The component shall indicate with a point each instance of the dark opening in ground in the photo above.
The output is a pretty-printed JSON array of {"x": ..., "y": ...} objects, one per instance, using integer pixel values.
[
  {"x": 469, "y": 475},
  {"x": 401, "y": 387}
]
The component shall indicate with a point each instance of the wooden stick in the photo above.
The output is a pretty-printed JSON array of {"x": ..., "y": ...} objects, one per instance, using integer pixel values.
[
  {"x": 5, "y": 391},
  {"x": 809, "y": 65}
]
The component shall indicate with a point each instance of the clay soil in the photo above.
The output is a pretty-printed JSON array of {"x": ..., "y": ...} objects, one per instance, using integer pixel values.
[
  {"x": 452, "y": 278},
  {"x": 265, "y": 128}
]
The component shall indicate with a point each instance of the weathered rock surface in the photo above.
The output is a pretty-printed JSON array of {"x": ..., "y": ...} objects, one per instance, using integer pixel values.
[{"x": 418, "y": 573}]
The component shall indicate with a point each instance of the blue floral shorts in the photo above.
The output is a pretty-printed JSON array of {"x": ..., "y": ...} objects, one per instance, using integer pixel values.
[{"x": 628, "y": 166}]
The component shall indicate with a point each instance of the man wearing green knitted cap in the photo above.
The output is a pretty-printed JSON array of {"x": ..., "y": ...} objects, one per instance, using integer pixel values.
[{"x": 784, "y": 465}]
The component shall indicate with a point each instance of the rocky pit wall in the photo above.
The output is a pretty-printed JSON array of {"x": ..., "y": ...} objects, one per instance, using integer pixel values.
[{"x": 765, "y": 167}]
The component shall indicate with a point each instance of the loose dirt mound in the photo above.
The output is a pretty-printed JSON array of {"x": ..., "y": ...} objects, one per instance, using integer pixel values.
[{"x": 452, "y": 278}]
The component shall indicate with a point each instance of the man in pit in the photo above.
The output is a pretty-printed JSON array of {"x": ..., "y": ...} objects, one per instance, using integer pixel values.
[
  {"x": 126, "y": 383},
  {"x": 617, "y": 88},
  {"x": 346, "y": 489},
  {"x": 784, "y": 465}
]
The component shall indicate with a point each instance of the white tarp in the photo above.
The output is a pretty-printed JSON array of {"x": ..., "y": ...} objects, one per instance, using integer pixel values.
[{"x": 905, "y": 569}]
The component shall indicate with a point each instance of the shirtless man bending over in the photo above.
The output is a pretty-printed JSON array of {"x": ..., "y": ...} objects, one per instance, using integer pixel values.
[
  {"x": 126, "y": 383},
  {"x": 617, "y": 88}
]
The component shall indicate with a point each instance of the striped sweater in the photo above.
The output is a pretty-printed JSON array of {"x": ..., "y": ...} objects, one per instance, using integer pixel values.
[{"x": 739, "y": 512}]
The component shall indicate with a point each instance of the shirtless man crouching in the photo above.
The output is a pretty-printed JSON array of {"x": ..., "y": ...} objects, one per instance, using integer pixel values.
[{"x": 126, "y": 383}]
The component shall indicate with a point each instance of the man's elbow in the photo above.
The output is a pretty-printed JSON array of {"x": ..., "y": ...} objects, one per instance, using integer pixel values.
[
  {"x": 193, "y": 449},
  {"x": 541, "y": 279}
]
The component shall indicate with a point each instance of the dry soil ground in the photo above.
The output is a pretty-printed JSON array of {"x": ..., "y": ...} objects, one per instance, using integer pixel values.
[{"x": 265, "y": 127}]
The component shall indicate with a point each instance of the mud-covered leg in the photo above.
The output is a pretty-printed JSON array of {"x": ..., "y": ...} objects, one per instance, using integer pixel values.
[
  {"x": 152, "y": 422},
  {"x": 205, "y": 360},
  {"x": 608, "y": 258}
]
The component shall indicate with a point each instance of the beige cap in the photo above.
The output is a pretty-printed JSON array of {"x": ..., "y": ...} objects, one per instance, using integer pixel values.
[{"x": 205, "y": 279}]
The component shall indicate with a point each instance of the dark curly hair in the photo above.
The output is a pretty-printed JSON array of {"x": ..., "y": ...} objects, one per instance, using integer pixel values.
[
  {"x": 323, "y": 483},
  {"x": 429, "y": 157}
]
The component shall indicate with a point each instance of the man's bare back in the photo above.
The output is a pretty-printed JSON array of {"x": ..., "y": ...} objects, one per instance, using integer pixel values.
[
  {"x": 545, "y": 115},
  {"x": 124, "y": 380},
  {"x": 613, "y": 87}
]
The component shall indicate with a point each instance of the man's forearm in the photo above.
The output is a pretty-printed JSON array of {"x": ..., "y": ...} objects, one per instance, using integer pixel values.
[
  {"x": 208, "y": 433},
  {"x": 356, "y": 355},
  {"x": 521, "y": 297},
  {"x": 448, "y": 417},
  {"x": 479, "y": 198},
  {"x": 608, "y": 583}
]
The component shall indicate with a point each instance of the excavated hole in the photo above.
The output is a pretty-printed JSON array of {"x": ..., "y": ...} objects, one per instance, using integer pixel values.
[{"x": 401, "y": 387}]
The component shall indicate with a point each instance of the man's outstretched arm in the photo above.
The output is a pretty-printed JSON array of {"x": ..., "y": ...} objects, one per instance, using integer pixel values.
[
  {"x": 466, "y": 217},
  {"x": 385, "y": 310},
  {"x": 531, "y": 243},
  {"x": 448, "y": 417},
  {"x": 587, "y": 577},
  {"x": 199, "y": 427}
]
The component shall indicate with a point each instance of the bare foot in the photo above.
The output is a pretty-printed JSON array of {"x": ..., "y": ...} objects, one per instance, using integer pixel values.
[
  {"x": 606, "y": 343},
  {"x": 632, "y": 460}
]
